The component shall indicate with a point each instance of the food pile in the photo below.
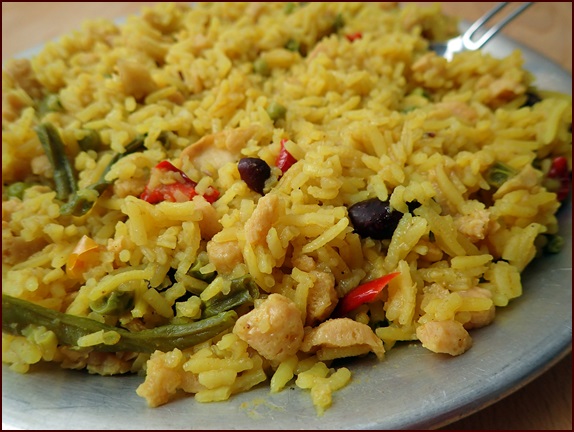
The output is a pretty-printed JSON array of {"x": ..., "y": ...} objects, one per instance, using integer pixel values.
[{"x": 227, "y": 194}]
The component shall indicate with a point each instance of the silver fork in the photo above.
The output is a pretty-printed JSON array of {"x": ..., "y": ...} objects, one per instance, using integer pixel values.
[{"x": 465, "y": 42}]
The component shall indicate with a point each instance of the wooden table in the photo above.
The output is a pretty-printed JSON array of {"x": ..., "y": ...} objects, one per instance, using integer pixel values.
[{"x": 545, "y": 403}]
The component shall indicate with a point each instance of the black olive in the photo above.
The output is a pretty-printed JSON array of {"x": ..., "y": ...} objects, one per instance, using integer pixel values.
[
  {"x": 531, "y": 99},
  {"x": 254, "y": 172},
  {"x": 375, "y": 218}
]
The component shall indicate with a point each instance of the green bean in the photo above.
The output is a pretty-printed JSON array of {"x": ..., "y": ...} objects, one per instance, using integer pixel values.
[
  {"x": 116, "y": 302},
  {"x": 90, "y": 141},
  {"x": 17, "y": 314},
  {"x": 51, "y": 103},
  {"x": 201, "y": 261},
  {"x": 83, "y": 200},
  {"x": 53, "y": 145},
  {"x": 243, "y": 291}
]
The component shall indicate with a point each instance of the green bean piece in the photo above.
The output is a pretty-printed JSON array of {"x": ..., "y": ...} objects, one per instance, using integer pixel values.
[
  {"x": 51, "y": 103},
  {"x": 17, "y": 189},
  {"x": 276, "y": 111},
  {"x": 243, "y": 291},
  {"x": 498, "y": 174},
  {"x": 53, "y": 145},
  {"x": 201, "y": 261},
  {"x": 91, "y": 141},
  {"x": 116, "y": 302},
  {"x": 83, "y": 200},
  {"x": 17, "y": 314},
  {"x": 292, "y": 45},
  {"x": 339, "y": 22}
]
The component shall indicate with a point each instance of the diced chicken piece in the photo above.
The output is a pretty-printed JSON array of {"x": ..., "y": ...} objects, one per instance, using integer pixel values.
[
  {"x": 475, "y": 226},
  {"x": 224, "y": 255},
  {"x": 482, "y": 318},
  {"x": 448, "y": 337},
  {"x": 209, "y": 224},
  {"x": 214, "y": 151},
  {"x": 322, "y": 298},
  {"x": 457, "y": 109},
  {"x": 136, "y": 79},
  {"x": 164, "y": 376},
  {"x": 127, "y": 187},
  {"x": 506, "y": 89},
  {"x": 274, "y": 329},
  {"x": 261, "y": 221},
  {"x": 343, "y": 333}
]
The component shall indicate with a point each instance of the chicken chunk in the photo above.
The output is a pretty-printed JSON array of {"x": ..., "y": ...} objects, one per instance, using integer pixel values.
[
  {"x": 136, "y": 79},
  {"x": 322, "y": 298},
  {"x": 448, "y": 337},
  {"x": 261, "y": 221},
  {"x": 209, "y": 223},
  {"x": 475, "y": 226},
  {"x": 344, "y": 334},
  {"x": 482, "y": 318},
  {"x": 164, "y": 376},
  {"x": 214, "y": 151},
  {"x": 224, "y": 255},
  {"x": 274, "y": 329}
]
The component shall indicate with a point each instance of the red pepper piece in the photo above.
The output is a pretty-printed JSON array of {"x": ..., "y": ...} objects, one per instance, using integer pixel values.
[
  {"x": 284, "y": 158},
  {"x": 354, "y": 36},
  {"x": 171, "y": 191},
  {"x": 365, "y": 293},
  {"x": 559, "y": 171}
]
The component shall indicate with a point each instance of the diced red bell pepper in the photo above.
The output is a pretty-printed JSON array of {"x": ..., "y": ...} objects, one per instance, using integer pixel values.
[
  {"x": 365, "y": 293},
  {"x": 354, "y": 36},
  {"x": 171, "y": 191},
  {"x": 559, "y": 171},
  {"x": 284, "y": 158}
]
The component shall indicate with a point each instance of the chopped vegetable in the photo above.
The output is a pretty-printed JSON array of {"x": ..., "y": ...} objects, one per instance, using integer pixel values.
[
  {"x": 292, "y": 45},
  {"x": 17, "y": 314},
  {"x": 284, "y": 159},
  {"x": 90, "y": 141},
  {"x": 261, "y": 67},
  {"x": 555, "y": 244},
  {"x": 276, "y": 111},
  {"x": 365, "y": 293},
  {"x": 558, "y": 178},
  {"x": 174, "y": 188},
  {"x": 80, "y": 256},
  {"x": 354, "y": 36},
  {"x": 243, "y": 291},
  {"x": 115, "y": 303},
  {"x": 83, "y": 200},
  {"x": 53, "y": 145},
  {"x": 498, "y": 174},
  {"x": 16, "y": 190}
]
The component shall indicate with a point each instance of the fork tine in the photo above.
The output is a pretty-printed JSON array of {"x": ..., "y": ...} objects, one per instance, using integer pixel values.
[{"x": 467, "y": 36}]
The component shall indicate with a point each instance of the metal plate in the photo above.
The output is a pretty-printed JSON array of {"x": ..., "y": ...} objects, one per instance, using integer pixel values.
[{"x": 411, "y": 389}]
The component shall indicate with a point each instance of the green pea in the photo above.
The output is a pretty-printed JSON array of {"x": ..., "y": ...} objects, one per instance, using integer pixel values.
[{"x": 276, "y": 111}]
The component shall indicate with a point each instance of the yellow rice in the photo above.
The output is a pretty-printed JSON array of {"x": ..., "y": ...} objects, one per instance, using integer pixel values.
[{"x": 375, "y": 117}]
